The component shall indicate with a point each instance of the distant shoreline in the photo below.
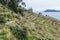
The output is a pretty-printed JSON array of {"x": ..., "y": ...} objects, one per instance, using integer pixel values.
[{"x": 50, "y": 10}]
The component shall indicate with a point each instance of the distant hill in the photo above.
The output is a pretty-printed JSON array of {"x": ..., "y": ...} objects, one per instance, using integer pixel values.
[{"x": 50, "y": 10}]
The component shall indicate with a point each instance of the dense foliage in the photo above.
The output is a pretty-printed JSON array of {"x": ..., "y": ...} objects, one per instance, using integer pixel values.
[{"x": 14, "y": 5}]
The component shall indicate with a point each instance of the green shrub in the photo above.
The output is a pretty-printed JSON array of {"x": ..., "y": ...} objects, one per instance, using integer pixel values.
[
  {"x": 2, "y": 20},
  {"x": 19, "y": 34}
]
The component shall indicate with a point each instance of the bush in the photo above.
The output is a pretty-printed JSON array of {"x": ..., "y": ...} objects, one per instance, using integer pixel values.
[
  {"x": 2, "y": 20},
  {"x": 19, "y": 34}
]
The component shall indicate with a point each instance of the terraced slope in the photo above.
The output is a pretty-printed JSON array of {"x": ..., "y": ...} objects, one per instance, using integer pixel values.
[{"x": 31, "y": 26}]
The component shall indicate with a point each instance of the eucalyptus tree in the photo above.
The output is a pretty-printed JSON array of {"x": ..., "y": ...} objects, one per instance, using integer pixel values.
[
  {"x": 13, "y": 5},
  {"x": 23, "y": 3}
]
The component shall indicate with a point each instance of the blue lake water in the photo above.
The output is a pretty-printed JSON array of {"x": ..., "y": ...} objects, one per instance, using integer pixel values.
[{"x": 53, "y": 14}]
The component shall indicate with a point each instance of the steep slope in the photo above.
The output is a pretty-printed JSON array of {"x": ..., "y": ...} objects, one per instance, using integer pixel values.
[{"x": 31, "y": 26}]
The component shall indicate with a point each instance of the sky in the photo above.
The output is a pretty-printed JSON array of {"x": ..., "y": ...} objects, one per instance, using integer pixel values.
[{"x": 41, "y": 5}]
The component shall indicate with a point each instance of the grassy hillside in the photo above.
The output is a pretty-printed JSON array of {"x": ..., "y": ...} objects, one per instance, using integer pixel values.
[{"x": 13, "y": 26}]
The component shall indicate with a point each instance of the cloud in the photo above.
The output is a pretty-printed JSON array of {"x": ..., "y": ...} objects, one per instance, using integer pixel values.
[{"x": 43, "y": 4}]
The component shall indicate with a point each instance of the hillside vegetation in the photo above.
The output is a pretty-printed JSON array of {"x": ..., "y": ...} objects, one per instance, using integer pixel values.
[{"x": 31, "y": 26}]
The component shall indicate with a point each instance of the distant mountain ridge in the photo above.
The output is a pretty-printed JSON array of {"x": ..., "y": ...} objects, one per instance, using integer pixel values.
[{"x": 51, "y": 10}]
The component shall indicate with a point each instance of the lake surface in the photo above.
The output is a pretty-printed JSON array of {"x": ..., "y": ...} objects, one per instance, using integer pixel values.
[{"x": 53, "y": 14}]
